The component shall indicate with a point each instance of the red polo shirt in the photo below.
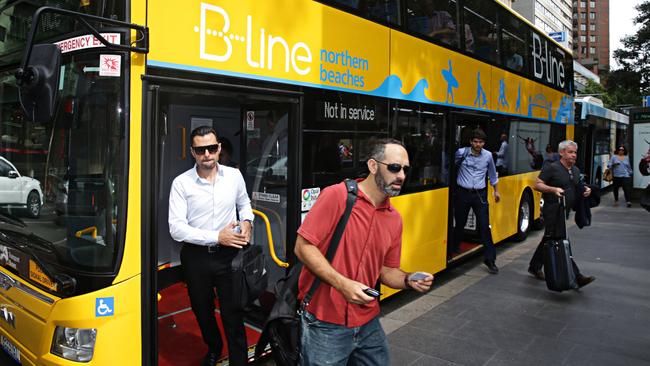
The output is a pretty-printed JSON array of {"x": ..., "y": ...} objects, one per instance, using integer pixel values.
[{"x": 371, "y": 239}]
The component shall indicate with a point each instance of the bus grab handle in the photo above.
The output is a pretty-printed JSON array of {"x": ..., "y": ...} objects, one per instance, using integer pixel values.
[{"x": 267, "y": 223}]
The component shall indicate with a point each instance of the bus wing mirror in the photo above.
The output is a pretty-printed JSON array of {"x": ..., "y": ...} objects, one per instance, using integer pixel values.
[{"x": 39, "y": 83}]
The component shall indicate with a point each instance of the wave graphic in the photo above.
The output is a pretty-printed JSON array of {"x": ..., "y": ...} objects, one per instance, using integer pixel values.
[
  {"x": 418, "y": 92},
  {"x": 392, "y": 88}
]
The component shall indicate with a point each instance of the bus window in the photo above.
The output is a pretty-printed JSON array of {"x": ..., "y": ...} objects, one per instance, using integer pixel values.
[
  {"x": 513, "y": 43},
  {"x": 330, "y": 157},
  {"x": 480, "y": 15},
  {"x": 422, "y": 131},
  {"x": 382, "y": 10},
  {"x": 433, "y": 18}
]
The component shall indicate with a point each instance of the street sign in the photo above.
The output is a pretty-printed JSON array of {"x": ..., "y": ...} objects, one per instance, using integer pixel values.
[{"x": 558, "y": 36}]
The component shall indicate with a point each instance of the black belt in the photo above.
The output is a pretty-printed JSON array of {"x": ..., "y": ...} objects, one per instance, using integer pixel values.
[
  {"x": 205, "y": 248},
  {"x": 471, "y": 189}
]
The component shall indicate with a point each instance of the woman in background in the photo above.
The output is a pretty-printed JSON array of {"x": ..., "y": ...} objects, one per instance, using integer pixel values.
[{"x": 622, "y": 171}]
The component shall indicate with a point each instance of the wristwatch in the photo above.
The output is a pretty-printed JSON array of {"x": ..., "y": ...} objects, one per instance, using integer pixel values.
[{"x": 406, "y": 282}]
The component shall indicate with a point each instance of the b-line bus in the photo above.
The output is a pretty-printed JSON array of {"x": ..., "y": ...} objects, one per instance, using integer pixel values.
[
  {"x": 598, "y": 131},
  {"x": 295, "y": 89}
]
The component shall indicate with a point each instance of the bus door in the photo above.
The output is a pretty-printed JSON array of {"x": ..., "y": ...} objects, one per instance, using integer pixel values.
[
  {"x": 254, "y": 134},
  {"x": 463, "y": 123},
  {"x": 267, "y": 171}
]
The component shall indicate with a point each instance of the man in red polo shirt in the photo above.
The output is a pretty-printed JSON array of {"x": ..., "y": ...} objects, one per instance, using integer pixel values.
[{"x": 341, "y": 322}]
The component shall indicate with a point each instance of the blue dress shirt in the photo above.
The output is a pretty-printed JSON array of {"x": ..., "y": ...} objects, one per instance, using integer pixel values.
[{"x": 472, "y": 170}]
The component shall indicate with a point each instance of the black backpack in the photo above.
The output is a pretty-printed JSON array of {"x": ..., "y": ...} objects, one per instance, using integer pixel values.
[{"x": 282, "y": 328}]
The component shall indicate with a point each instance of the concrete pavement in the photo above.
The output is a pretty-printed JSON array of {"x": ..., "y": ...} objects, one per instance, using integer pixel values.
[{"x": 473, "y": 318}]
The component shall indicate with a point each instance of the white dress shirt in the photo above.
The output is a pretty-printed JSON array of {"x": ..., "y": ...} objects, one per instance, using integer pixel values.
[{"x": 200, "y": 209}]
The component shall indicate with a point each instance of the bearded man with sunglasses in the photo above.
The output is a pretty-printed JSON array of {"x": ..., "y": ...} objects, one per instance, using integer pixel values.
[
  {"x": 202, "y": 215},
  {"x": 473, "y": 163},
  {"x": 340, "y": 325}
]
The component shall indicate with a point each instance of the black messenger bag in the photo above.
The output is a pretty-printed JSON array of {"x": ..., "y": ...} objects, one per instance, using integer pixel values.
[
  {"x": 249, "y": 274},
  {"x": 282, "y": 328}
]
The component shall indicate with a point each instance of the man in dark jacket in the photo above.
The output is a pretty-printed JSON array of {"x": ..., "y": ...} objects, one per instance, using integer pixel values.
[{"x": 556, "y": 180}]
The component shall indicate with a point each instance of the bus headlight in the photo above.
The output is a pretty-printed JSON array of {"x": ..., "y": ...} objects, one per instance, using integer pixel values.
[{"x": 74, "y": 343}]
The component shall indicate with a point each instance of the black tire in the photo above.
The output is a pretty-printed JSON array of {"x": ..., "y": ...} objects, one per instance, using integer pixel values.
[
  {"x": 539, "y": 223},
  {"x": 33, "y": 205},
  {"x": 524, "y": 217}
]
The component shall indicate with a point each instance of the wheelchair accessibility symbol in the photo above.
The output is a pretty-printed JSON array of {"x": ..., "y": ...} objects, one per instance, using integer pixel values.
[{"x": 104, "y": 306}]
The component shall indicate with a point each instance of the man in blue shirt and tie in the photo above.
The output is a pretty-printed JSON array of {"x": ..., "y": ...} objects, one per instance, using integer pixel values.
[{"x": 472, "y": 164}]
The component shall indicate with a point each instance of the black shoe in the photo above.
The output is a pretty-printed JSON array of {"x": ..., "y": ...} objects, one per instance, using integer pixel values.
[
  {"x": 585, "y": 280},
  {"x": 210, "y": 359},
  {"x": 539, "y": 274},
  {"x": 492, "y": 267},
  {"x": 629, "y": 204}
]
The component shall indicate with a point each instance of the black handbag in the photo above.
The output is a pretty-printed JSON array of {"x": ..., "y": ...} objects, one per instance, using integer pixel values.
[{"x": 249, "y": 274}]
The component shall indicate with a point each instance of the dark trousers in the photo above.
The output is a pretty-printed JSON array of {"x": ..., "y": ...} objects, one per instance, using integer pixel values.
[
  {"x": 626, "y": 183},
  {"x": 205, "y": 271},
  {"x": 477, "y": 201}
]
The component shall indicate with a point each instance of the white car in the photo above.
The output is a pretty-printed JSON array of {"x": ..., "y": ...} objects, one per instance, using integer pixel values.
[{"x": 19, "y": 191}]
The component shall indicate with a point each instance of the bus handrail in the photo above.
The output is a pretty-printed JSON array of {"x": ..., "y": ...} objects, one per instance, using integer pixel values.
[
  {"x": 274, "y": 256},
  {"x": 92, "y": 230}
]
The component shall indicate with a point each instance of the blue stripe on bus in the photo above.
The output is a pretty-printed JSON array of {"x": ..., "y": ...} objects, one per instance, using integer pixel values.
[{"x": 390, "y": 88}]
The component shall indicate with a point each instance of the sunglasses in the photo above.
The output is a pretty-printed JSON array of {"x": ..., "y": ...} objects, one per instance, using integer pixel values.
[
  {"x": 200, "y": 150},
  {"x": 395, "y": 168}
]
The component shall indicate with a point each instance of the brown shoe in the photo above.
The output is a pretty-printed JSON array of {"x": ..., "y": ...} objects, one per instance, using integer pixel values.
[
  {"x": 585, "y": 280},
  {"x": 539, "y": 274}
]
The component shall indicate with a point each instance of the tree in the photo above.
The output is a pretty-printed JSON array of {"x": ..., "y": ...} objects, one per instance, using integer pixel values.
[
  {"x": 618, "y": 88},
  {"x": 634, "y": 58}
]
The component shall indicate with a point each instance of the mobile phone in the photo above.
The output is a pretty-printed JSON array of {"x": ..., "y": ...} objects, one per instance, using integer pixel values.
[
  {"x": 372, "y": 292},
  {"x": 417, "y": 276},
  {"x": 237, "y": 229}
]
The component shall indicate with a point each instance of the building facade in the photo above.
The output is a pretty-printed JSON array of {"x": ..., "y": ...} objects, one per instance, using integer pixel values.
[
  {"x": 551, "y": 16},
  {"x": 591, "y": 34}
]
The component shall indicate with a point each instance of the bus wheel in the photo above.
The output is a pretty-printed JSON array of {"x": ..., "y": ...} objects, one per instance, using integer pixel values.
[{"x": 525, "y": 217}]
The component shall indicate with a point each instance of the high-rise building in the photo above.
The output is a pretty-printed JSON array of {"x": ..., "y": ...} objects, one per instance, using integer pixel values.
[
  {"x": 591, "y": 34},
  {"x": 551, "y": 16}
]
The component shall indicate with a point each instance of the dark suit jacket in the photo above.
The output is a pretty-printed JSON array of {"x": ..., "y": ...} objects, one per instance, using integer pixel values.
[{"x": 582, "y": 205}]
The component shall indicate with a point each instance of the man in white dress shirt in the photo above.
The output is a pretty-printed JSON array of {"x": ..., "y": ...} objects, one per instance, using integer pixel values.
[{"x": 202, "y": 215}]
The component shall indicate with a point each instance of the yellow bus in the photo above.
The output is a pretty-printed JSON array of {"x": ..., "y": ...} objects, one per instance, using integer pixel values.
[{"x": 98, "y": 98}]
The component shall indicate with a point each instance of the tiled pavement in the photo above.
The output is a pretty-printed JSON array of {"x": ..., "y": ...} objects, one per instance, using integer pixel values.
[{"x": 473, "y": 318}]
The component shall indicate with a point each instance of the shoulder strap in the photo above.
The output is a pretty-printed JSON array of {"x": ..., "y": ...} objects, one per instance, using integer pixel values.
[
  {"x": 351, "y": 186},
  {"x": 463, "y": 157}
]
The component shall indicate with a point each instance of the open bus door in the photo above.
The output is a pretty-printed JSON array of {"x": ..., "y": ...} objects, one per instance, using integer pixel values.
[
  {"x": 254, "y": 133},
  {"x": 463, "y": 123}
]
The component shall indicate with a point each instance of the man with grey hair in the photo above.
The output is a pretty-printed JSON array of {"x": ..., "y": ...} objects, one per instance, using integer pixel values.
[
  {"x": 558, "y": 179},
  {"x": 340, "y": 325}
]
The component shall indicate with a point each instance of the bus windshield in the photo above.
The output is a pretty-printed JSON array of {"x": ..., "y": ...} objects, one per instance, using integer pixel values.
[{"x": 64, "y": 179}]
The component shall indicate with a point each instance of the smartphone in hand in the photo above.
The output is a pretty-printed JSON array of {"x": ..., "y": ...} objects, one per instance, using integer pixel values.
[
  {"x": 371, "y": 292},
  {"x": 416, "y": 276}
]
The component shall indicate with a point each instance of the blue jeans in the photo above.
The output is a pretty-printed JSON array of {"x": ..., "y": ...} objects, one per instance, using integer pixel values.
[{"x": 325, "y": 343}]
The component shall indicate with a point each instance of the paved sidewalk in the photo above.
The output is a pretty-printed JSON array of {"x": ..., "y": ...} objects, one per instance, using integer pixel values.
[{"x": 473, "y": 318}]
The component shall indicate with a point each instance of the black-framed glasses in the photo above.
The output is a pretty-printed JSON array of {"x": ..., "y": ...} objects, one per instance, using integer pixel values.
[
  {"x": 200, "y": 150},
  {"x": 395, "y": 168}
]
